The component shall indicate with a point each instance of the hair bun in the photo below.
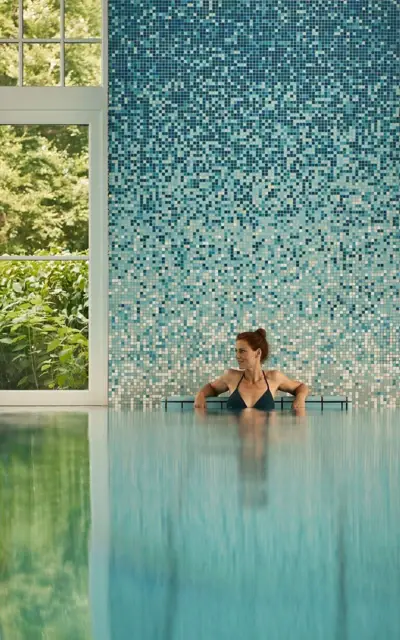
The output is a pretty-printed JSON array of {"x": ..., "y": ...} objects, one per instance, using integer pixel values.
[{"x": 262, "y": 333}]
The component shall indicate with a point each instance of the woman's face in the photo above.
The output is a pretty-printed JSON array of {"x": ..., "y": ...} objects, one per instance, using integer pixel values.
[{"x": 246, "y": 357}]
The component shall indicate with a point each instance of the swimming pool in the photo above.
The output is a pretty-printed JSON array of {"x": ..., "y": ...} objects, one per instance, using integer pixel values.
[{"x": 153, "y": 525}]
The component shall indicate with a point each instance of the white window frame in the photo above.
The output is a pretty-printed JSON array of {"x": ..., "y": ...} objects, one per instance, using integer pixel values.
[{"x": 86, "y": 106}]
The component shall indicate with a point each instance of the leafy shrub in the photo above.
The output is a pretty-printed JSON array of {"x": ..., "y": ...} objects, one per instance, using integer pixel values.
[{"x": 44, "y": 324}]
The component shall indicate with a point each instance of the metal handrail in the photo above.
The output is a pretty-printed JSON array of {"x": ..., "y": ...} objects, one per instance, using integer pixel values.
[{"x": 344, "y": 402}]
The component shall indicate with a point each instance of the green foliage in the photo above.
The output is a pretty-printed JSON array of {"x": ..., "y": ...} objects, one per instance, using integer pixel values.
[
  {"x": 44, "y": 324},
  {"x": 41, "y": 65},
  {"x": 77, "y": 70},
  {"x": 82, "y": 19},
  {"x": 41, "y": 19},
  {"x": 43, "y": 188},
  {"x": 8, "y": 65},
  {"x": 8, "y": 19},
  {"x": 41, "y": 62}
]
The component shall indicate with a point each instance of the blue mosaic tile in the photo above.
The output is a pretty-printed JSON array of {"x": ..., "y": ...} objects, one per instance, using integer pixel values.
[{"x": 254, "y": 181}]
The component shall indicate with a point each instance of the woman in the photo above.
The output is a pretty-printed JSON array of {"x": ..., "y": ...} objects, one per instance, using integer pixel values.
[{"x": 251, "y": 387}]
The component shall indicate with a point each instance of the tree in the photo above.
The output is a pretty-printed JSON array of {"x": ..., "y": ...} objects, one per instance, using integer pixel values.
[
  {"x": 43, "y": 169},
  {"x": 43, "y": 188}
]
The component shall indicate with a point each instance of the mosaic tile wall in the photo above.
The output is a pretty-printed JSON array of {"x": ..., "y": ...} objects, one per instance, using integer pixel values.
[{"x": 253, "y": 158}]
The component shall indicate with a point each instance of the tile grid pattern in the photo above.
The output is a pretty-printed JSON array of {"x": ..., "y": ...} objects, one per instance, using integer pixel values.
[{"x": 253, "y": 172}]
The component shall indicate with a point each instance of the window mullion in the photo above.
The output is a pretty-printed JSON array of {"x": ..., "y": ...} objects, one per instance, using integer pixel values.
[
  {"x": 20, "y": 46},
  {"x": 62, "y": 44}
]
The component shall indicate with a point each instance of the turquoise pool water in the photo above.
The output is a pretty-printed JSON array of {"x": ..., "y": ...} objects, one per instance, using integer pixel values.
[{"x": 172, "y": 525}]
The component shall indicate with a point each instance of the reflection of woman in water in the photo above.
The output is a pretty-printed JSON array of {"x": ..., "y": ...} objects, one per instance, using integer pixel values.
[
  {"x": 251, "y": 387},
  {"x": 253, "y": 456},
  {"x": 257, "y": 433}
]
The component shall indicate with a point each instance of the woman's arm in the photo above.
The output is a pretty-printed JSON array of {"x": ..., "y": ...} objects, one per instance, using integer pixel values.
[
  {"x": 210, "y": 389},
  {"x": 295, "y": 387}
]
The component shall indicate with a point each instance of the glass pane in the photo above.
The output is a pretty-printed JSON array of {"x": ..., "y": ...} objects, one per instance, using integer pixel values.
[
  {"x": 43, "y": 325},
  {"x": 9, "y": 19},
  {"x": 44, "y": 526},
  {"x": 8, "y": 65},
  {"x": 44, "y": 188},
  {"x": 41, "y": 19},
  {"x": 83, "y": 20},
  {"x": 41, "y": 65},
  {"x": 82, "y": 64}
]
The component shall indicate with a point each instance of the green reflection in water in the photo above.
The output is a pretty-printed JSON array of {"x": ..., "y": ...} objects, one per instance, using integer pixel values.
[{"x": 44, "y": 527}]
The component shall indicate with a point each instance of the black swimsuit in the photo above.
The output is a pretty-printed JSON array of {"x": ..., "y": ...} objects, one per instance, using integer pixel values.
[{"x": 265, "y": 403}]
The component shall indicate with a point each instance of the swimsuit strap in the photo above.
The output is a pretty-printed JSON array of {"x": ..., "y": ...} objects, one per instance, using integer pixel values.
[
  {"x": 237, "y": 386},
  {"x": 265, "y": 378}
]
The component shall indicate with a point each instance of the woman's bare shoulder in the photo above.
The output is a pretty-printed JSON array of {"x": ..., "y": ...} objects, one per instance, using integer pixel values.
[
  {"x": 273, "y": 374},
  {"x": 232, "y": 374}
]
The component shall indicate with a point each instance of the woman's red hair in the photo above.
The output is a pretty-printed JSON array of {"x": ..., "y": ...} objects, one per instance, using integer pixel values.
[{"x": 256, "y": 340}]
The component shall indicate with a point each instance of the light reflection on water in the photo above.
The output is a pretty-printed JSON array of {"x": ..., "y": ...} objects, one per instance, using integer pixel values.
[{"x": 202, "y": 526}]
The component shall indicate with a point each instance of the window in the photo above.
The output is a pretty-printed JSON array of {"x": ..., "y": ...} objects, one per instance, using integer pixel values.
[
  {"x": 50, "y": 43},
  {"x": 53, "y": 233}
]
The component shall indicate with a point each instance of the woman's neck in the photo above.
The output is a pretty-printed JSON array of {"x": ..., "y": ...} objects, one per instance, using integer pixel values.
[{"x": 253, "y": 375}]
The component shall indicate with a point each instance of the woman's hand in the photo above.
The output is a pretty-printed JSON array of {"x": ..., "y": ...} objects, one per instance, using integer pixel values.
[
  {"x": 200, "y": 401},
  {"x": 299, "y": 403},
  {"x": 210, "y": 389},
  {"x": 300, "y": 412}
]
